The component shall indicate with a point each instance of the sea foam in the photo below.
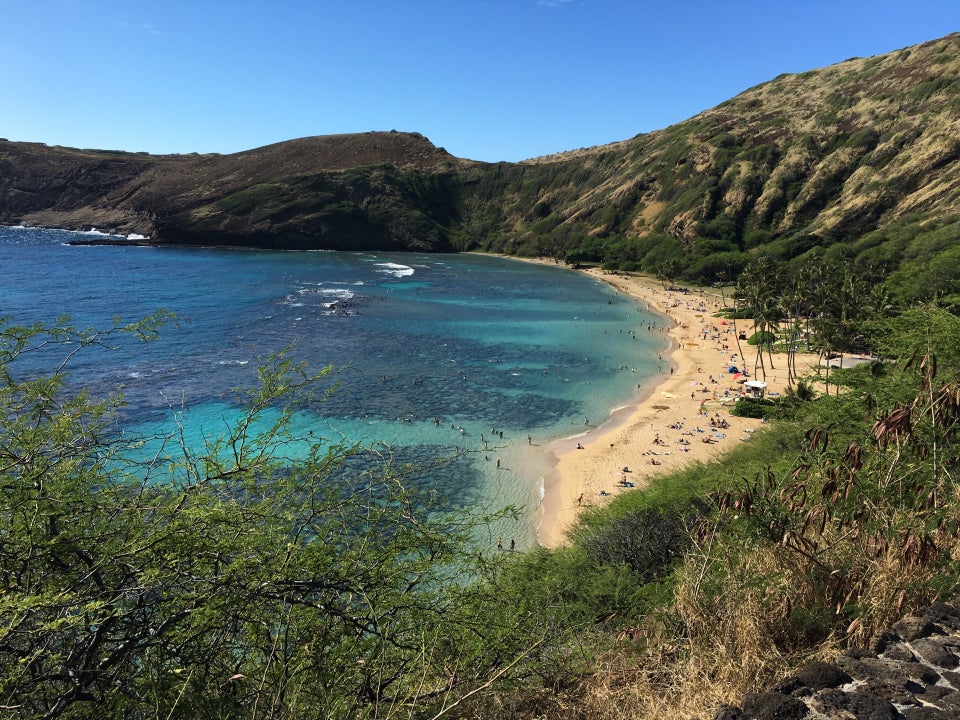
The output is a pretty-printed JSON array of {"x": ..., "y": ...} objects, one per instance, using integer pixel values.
[
  {"x": 394, "y": 269},
  {"x": 335, "y": 295}
]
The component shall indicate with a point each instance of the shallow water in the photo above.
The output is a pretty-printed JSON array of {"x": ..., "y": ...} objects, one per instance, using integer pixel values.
[{"x": 422, "y": 346}]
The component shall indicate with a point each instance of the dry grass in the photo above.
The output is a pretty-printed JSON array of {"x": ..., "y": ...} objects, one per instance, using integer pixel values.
[
  {"x": 727, "y": 634},
  {"x": 720, "y": 645},
  {"x": 790, "y": 570}
]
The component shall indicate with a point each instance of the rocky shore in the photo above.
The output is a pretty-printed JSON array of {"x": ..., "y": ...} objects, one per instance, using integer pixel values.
[{"x": 912, "y": 672}]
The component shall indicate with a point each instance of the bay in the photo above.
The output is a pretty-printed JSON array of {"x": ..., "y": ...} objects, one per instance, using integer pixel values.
[{"x": 431, "y": 353}]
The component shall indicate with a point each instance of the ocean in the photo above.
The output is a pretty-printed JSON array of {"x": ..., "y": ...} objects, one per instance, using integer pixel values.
[{"x": 433, "y": 356}]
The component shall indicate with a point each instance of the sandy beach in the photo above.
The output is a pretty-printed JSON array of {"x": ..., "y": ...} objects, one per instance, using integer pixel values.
[{"x": 671, "y": 426}]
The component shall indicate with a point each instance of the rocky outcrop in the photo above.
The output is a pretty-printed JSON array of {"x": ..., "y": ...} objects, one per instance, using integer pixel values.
[
  {"x": 385, "y": 191},
  {"x": 912, "y": 672}
]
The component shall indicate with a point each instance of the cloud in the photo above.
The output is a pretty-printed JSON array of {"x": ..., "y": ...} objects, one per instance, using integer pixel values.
[
  {"x": 137, "y": 27},
  {"x": 553, "y": 3}
]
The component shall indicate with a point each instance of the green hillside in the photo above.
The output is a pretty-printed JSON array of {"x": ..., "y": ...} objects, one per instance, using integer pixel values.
[
  {"x": 857, "y": 160},
  {"x": 854, "y": 161}
]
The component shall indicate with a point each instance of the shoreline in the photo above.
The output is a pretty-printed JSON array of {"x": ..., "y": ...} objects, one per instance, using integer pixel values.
[
  {"x": 668, "y": 426},
  {"x": 557, "y": 496}
]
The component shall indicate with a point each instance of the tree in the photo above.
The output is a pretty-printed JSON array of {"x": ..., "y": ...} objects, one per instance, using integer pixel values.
[
  {"x": 229, "y": 581},
  {"x": 792, "y": 304},
  {"x": 757, "y": 289}
]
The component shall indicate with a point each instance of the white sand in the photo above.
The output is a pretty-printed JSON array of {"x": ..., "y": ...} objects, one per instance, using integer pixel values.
[{"x": 584, "y": 477}]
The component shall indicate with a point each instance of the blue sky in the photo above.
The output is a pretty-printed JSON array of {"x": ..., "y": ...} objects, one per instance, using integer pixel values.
[{"x": 486, "y": 79}]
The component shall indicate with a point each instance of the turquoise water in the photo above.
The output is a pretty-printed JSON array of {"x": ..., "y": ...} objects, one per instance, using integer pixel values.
[{"x": 431, "y": 353}]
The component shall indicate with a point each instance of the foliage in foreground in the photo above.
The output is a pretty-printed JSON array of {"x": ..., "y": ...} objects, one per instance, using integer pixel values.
[
  {"x": 248, "y": 585},
  {"x": 227, "y": 583}
]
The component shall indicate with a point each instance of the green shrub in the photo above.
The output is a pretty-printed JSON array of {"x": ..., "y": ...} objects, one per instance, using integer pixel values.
[
  {"x": 754, "y": 408},
  {"x": 646, "y": 541}
]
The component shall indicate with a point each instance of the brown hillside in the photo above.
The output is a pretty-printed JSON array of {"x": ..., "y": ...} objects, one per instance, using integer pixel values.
[{"x": 181, "y": 197}]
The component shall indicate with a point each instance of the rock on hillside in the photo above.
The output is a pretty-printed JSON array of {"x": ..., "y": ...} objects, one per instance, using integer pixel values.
[{"x": 909, "y": 674}]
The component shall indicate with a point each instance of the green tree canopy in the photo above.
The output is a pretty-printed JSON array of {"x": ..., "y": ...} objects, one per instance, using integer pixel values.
[{"x": 231, "y": 581}]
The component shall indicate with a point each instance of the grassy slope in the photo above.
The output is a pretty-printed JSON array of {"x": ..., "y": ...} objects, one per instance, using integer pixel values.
[
  {"x": 805, "y": 160},
  {"x": 831, "y": 524}
]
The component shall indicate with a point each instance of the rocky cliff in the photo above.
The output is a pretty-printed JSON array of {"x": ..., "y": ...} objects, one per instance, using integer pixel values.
[{"x": 366, "y": 191}]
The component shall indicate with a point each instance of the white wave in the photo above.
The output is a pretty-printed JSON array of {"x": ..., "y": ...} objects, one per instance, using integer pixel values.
[
  {"x": 22, "y": 227},
  {"x": 137, "y": 236},
  {"x": 91, "y": 231},
  {"x": 395, "y": 269},
  {"x": 292, "y": 301},
  {"x": 338, "y": 293},
  {"x": 335, "y": 295}
]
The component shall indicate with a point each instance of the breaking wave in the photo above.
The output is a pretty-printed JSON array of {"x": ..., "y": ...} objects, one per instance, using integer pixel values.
[{"x": 394, "y": 269}]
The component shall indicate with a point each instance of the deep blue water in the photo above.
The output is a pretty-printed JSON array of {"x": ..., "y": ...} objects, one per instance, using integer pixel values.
[{"x": 474, "y": 342}]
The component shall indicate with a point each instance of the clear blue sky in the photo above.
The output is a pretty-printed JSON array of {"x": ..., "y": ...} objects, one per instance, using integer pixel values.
[{"x": 486, "y": 79}]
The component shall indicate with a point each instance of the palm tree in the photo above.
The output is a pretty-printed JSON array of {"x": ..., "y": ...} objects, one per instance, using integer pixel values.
[
  {"x": 791, "y": 304},
  {"x": 758, "y": 289}
]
